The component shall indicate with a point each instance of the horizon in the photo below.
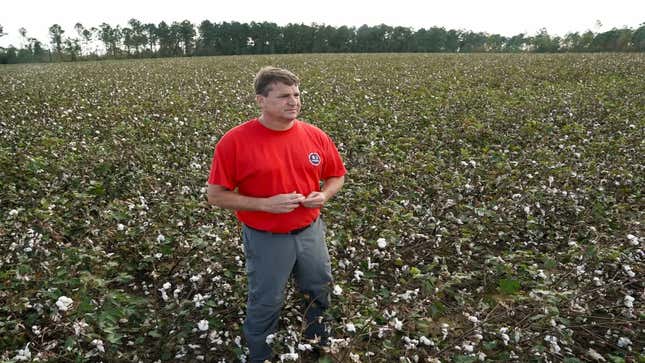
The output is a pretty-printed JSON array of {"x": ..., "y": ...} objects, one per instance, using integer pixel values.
[{"x": 495, "y": 17}]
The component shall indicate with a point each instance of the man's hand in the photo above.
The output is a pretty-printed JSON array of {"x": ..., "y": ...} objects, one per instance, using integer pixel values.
[
  {"x": 282, "y": 203},
  {"x": 315, "y": 200}
]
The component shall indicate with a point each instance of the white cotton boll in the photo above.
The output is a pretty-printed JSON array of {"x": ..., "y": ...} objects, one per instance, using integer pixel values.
[
  {"x": 410, "y": 343},
  {"x": 468, "y": 347},
  {"x": 120, "y": 227},
  {"x": 624, "y": 342},
  {"x": 13, "y": 212},
  {"x": 176, "y": 292},
  {"x": 382, "y": 331},
  {"x": 629, "y": 301},
  {"x": 64, "y": 303},
  {"x": 350, "y": 327},
  {"x": 371, "y": 265},
  {"x": 288, "y": 356},
  {"x": 305, "y": 347},
  {"x": 198, "y": 299},
  {"x": 195, "y": 278},
  {"x": 553, "y": 341},
  {"x": 167, "y": 285},
  {"x": 633, "y": 240},
  {"x": 98, "y": 343},
  {"x": 594, "y": 355},
  {"x": 79, "y": 327},
  {"x": 398, "y": 324},
  {"x": 628, "y": 271},
  {"x": 164, "y": 295},
  {"x": 337, "y": 290},
  {"x": 444, "y": 331},
  {"x": 580, "y": 269},
  {"x": 23, "y": 354},
  {"x": 269, "y": 339},
  {"x": 354, "y": 357},
  {"x": 505, "y": 338},
  {"x": 357, "y": 275},
  {"x": 202, "y": 325},
  {"x": 381, "y": 243},
  {"x": 426, "y": 341},
  {"x": 473, "y": 319}
]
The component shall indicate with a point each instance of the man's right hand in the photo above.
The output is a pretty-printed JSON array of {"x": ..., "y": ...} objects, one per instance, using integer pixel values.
[{"x": 282, "y": 203}]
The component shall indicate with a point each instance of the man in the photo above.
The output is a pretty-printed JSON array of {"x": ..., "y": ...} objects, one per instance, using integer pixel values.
[{"x": 269, "y": 170}]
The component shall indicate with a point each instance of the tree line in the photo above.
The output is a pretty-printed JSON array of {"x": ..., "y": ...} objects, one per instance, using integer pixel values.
[{"x": 180, "y": 39}]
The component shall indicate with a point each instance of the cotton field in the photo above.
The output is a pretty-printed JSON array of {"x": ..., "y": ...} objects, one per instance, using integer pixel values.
[{"x": 493, "y": 209}]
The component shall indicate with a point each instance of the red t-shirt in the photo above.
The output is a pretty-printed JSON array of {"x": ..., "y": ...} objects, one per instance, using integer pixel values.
[{"x": 261, "y": 163}]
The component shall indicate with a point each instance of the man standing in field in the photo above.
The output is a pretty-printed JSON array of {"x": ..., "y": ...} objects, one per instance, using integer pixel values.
[{"x": 269, "y": 170}]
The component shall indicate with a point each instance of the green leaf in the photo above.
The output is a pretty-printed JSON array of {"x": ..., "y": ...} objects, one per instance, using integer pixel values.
[
  {"x": 414, "y": 271},
  {"x": 490, "y": 345},
  {"x": 509, "y": 286},
  {"x": 437, "y": 309},
  {"x": 550, "y": 263},
  {"x": 69, "y": 343},
  {"x": 464, "y": 359},
  {"x": 114, "y": 338},
  {"x": 96, "y": 188}
]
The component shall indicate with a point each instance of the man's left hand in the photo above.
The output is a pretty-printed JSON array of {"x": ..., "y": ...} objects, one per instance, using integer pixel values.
[{"x": 314, "y": 200}]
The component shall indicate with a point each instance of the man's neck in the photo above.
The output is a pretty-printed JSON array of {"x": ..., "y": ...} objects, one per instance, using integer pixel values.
[{"x": 277, "y": 125}]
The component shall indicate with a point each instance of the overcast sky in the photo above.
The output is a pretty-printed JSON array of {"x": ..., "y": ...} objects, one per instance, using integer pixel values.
[{"x": 505, "y": 17}]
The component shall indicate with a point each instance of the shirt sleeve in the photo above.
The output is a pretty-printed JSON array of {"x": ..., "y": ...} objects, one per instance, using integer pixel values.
[
  {"x": 333, "y": 165},
  {"x": 223, "y": 165}
]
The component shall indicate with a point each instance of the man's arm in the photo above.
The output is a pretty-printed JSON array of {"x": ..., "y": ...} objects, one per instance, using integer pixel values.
[
  {"x": 330, "y": 187},
  {"x": 281, "y": 203}
]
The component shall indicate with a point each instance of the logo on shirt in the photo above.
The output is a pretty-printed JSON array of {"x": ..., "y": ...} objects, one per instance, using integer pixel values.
[{"x": 314, "y": 159}]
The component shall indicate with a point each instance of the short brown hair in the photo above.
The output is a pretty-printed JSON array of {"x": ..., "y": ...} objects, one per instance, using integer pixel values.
[{"x": 269, "y": 75}]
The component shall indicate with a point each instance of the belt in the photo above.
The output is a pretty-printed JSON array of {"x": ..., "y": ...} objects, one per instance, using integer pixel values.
[{"x": 292, "y": 232}]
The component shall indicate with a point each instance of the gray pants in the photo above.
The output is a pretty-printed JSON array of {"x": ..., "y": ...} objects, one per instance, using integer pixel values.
[{"x": 270, "y": 260}]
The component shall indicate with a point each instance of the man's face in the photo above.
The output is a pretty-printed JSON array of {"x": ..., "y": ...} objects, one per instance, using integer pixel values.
[{"x": 282, "y": 103}]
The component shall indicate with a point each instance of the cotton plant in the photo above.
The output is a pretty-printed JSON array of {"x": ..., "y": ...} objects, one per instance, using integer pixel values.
[{"x": 64, "y": 303}]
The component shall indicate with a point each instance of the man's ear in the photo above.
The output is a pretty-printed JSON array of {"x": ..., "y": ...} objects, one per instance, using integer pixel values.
[{"x": 259, "y": 99}]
